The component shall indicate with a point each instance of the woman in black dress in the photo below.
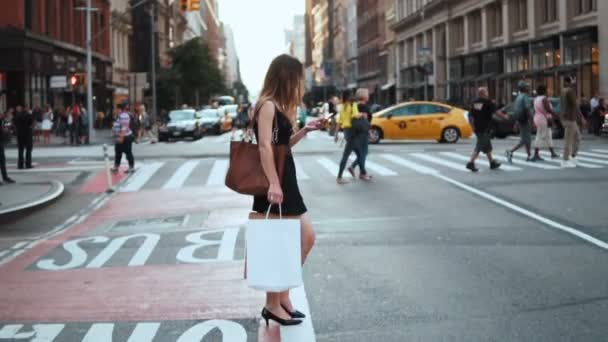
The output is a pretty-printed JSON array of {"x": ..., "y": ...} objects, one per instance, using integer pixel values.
[{"x": 275, "y": 117}]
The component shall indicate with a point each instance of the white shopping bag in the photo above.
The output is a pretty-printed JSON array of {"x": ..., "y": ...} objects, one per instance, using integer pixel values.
[{"x": 274, "y": 258}]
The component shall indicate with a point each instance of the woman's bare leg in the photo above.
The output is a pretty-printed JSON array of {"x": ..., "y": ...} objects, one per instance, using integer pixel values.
[{"x": 308, "y": 240}]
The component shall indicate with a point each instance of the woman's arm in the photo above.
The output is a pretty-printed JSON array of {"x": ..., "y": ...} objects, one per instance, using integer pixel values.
[
  {"x": 298, "y": 136},
  {"x": 265, "y": 120},
  {"x": 547, "y": 106}
]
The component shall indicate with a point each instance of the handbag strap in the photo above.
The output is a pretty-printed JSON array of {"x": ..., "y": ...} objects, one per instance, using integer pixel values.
[
  {"x": 280, "y": 211},
  {"x": 275, "y": 128}
]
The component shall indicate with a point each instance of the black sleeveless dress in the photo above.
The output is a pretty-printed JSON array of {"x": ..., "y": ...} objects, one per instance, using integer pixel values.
[{"x": 293, "y": 204}]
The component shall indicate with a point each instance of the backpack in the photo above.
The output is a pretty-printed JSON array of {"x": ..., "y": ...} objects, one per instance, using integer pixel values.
[{"x": 521, "y": 111}]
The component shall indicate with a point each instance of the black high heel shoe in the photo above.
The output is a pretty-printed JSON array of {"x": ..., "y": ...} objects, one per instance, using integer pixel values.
[
  {"x": 295, "y": 313},
  {"x": 267, "y": 315}
]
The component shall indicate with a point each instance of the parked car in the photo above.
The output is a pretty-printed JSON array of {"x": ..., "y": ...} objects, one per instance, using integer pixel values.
[
  {"x": 211, "y": 121},
  {"x": 420, "y": 120},
  {"x": 502, "y": 127},
  {"x": 181, "y": 123}
]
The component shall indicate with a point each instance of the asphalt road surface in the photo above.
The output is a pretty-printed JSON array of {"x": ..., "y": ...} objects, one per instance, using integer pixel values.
[{"x": 425, "y": 252}]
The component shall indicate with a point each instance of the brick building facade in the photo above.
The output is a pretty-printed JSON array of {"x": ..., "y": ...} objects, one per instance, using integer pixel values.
[{"x": 42, "y": 43}]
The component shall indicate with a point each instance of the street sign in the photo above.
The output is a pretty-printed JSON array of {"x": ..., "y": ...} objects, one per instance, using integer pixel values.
[{"x": 59, "y": 82}]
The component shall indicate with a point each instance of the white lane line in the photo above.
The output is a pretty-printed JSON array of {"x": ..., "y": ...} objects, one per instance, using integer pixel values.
[
  {"x": 300, "y": 173},
  {"x": 409, "y": 164},
  {"x": 178, "y": 178},
  {"x": 599, "y": 150},
  {"x": 217, "y": 176},
  {"x": 466, "y": 159},
  {"x": 141, "y": 177},
  {"x": 538, "y": 165},
  {"x": 376, "y": 168},
  {"x": 596, "y": 155},
  {"x": 332, "y": 167},
  {"x": 446, "y": 163},
  {"x": 60, "y": 169},
  {"x": 305, "y": 331},
  {"x": 577, "y": 233},
  {"x": 558, "y": 161}
]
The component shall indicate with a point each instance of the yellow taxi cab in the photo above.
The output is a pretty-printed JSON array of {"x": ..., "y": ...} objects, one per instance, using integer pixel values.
[{"x": 420, "y": 120}]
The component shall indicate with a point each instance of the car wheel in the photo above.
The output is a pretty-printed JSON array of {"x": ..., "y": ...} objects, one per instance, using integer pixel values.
[
  {"x": 375, "y": 135},
  {"x": 450, "y": 135}
]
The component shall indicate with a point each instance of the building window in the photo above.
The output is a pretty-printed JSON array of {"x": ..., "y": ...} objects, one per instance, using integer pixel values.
[
  {"x": 544, "y": 55},
  {"x": 520, "y": 15},
  {"x": 579, "y": 49},
  {"x": 28, "y": 14},
  {"x": 475, "y": 27},
  {"x": 585, "y": 6},
  {"x": 495, "y": 19},
  {"x": 459, "y": 32},
  {"x": 516, "y": 59},
  {"x": 548, "y": 11}
]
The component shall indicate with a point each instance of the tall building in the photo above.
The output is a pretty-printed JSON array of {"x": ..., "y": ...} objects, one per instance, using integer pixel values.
[
  {"x": 210, "y": 15},
  {"x": 42, "y": 43},
  {"x": 195, "y": 26},
  {"x": 388, "y": 77},
  {"x": 339, "y": 32},
  {"x": 295, "y": 38},
  {"x": 322, "y": 45},
  {"x": 370, "y": 41},
  {"x": 232, "y": 58},
  {"x": 121, "y": 49},
  {"x": 351, "y": 45},
  {"x": 498, "y": 43}
]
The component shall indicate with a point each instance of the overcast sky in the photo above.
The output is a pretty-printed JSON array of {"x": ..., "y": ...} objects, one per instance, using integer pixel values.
[{"x": 259, "y": 33}]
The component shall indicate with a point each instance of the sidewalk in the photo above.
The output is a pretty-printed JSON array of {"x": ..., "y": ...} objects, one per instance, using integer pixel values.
[
  {"x": 29, "y": 192},
  {"x": 102, "y": 136}
]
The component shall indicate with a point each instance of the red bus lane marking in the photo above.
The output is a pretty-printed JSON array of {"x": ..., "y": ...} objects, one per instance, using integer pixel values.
[
  {"x": 144, "y": 293},
  {"x": 99, "y": 182}
]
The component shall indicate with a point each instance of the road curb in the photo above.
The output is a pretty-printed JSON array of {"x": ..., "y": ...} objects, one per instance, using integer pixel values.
[{"x": 57, "y": 189}]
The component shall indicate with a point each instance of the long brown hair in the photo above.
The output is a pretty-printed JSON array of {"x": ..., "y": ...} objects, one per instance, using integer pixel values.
[{"x": 283, "y": 85}]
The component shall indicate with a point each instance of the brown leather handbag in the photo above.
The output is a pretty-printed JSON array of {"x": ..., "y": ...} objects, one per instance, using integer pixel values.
[{"x": 245, "y": 173}]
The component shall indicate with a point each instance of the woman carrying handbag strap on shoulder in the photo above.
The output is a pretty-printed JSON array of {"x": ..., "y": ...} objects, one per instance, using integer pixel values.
[{"x": 274, "y": 122}]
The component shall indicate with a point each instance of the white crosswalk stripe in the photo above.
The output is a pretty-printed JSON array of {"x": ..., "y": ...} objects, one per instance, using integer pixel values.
[
  {"x": 332, "y": 167},
  {"x": 582, "y": 160},
  {"x": 558, "y": 161},
  {"x": 376, "y": 168},
  {"x": 409, "y": 164},
  {"x": 180, "y": 176},
  {"x": 300, "y": 173},
  {"x": 141, "y": 176},
  {"x": 466, "y": 159},
  {"x": 599, "y": 150},
  {"x": 596, "y": 155},
  {"x": 150, "y": 175},
  {"x": 217, "y": 175},
  {"x": 538, "y": 165},
  {"x": 439, "y": 161}
]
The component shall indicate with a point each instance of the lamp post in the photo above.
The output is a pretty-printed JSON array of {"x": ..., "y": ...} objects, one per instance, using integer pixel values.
[{"x": 90, "y": 113}]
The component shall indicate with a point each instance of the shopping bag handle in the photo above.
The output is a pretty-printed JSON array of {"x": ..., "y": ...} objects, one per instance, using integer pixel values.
[{"x": 280, "y": 211}]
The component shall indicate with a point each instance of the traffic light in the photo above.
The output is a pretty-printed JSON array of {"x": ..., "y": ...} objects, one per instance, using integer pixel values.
[
  {"x": 77, "y": 80},
  {"x": 185, "y": 5},
  {"x": 195, "y": 5}
]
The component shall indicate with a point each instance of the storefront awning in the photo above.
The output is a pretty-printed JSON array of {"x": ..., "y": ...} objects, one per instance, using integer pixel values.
[
  {"x": 485, "y": 77},
  {"x": 387, "y": 86}
]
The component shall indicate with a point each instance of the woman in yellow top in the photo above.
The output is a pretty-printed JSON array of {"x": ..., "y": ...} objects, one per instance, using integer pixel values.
[{"x": 349, "y": 112}]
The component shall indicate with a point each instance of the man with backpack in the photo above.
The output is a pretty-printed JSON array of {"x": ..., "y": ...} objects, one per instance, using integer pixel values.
[{"x": 523, "y": 118}]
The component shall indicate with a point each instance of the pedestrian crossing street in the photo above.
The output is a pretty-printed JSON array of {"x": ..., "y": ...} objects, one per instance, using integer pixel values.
[{"x": 177, "y": 174}]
